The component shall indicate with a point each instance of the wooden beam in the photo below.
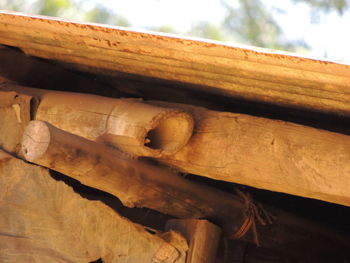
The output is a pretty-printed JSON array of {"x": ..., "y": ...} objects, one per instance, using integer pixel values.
[
  {"x": 203, "y": 238},
  {"x": 44, "y": 220},
  {"x": 136, "y": 184},
  {"x": 254, "y": 74},
  {"x": 264, "y": 153},
  {"x": 14, "y": 115},
  {"x": 27, "y": 70},
  {"x": 131, "y": 125}
]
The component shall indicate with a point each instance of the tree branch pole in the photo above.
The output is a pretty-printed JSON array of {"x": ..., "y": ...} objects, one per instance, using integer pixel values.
[
  {"x": 131, "y": 125},
  {"x": 264, "y": 153},
  {"x": 135, "y": 183}
]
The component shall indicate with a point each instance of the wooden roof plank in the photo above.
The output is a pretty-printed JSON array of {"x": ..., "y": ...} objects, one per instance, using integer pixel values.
[{"x": 250, "y": 73}]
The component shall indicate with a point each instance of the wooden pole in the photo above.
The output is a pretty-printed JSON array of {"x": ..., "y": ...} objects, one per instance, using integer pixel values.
[
  {"x": 136, "y": 184},
  {"x": 264, "y": 153},
  {"x": 259, "y": 152},
  {"x": 203, "y": 238},
  {"x": 131, "y": 125},
  {"x": 44, "y": 220}
]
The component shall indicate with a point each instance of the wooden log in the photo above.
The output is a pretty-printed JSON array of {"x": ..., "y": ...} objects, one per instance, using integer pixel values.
[
  {"x": 131, "y": 125},
  {"x": 136, "y": 184},
  {"x": 264, "y": 153},
  {"x": 250, "y": 73},
  {"x": 225, "y": 206},
  {"x": 44, "y": 220},
  {"x": 283, "y": 157},
  {"x": 202, "y": 236},
  {"x": 14, "y": 116}
]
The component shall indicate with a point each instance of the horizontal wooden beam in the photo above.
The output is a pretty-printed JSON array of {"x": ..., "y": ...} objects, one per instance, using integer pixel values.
[
  {"x": 135, "y": 183},
  {"x": 268, "y": 154},
  {"x": 259, "y": 152},
  {"x": 44, "y": 220},
  {"x": 131, "y": 125},
  {"x": 243, "y": 72}
]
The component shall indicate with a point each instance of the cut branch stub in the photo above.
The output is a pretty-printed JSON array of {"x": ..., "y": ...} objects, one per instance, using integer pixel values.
[
  {"x": 133, "y": 182},
  {"x": 131, "y": 125}
]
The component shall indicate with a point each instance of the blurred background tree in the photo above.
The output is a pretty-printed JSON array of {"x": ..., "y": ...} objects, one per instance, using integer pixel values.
[{"x": 245, "y": 21}]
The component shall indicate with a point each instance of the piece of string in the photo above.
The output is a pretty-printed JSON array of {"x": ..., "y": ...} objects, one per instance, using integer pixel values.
[{"x": 254, "y": 212}]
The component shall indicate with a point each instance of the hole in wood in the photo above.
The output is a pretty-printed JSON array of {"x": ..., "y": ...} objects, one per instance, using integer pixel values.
[{"x": 170, "y": 134}]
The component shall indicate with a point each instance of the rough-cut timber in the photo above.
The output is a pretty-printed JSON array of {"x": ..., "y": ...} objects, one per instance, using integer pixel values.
[
  {"x": 249, "y": 73},
  {"x": 136, "y": 184},
  {"x": 202, "y": 236},
  {"x": 131, "y": 125},
  {"x": 43, "y": 220},
  {"x": 267, "y": 154}
]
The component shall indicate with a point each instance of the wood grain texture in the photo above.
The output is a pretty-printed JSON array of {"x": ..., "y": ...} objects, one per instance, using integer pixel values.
[
  {"x": 268, "y": 154},
  {"x": 131, "y": 125},
  {"x": 203, "y": 238},
  {"x": 14, "y": 117},
  {"x": 250, "y": 73},
  {"x": 44, "y": 220},
  {"x": 136, "y": 184}
]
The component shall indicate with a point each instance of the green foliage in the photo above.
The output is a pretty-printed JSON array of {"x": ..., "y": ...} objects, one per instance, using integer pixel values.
[
  {"x": 164, "y": 29},
  {"x": 103, "y": 15},
  {"x": 253, "y": 24},
  {"x": 53, "y": 7},
  {"x": 207, "y": 30},
  {"x": 11, "y": 5},
  {"x": 327, "y": 5}
]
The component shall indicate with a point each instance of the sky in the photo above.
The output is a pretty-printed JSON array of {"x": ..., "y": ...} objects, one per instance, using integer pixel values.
[{"x": 330, "y": 37}]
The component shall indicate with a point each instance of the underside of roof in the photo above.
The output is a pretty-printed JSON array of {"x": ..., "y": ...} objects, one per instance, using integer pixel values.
[{"x": 254, "y": 74}]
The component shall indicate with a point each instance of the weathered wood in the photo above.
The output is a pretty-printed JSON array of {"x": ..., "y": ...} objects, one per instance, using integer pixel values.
[
  {"x": 3, "y": 80},
  {"x": 132, "y": 126},
  {"x": 259, "y": 152},
  {"x": 136, "y": 184},
  {"x": 250, "y": 73},
  {"x": 203, "y": 238},
  {"x": 267, "y": 154},
  {"x": 14, "y": 117},
  {"x": 27, "y": 70},
  {"x": 43, "y": 220}
]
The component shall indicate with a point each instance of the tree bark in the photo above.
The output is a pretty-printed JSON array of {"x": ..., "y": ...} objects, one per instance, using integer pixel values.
[{"x": 136, "y": 184}]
